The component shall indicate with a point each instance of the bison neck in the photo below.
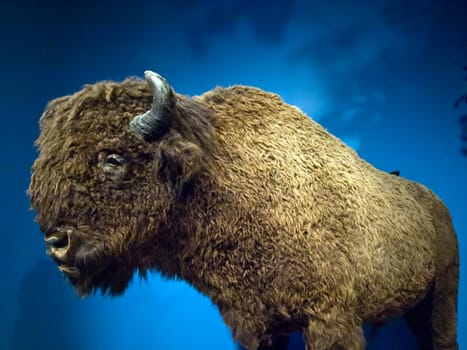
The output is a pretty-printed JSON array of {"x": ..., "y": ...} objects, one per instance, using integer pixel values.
[{"x": 219, "y": 250}]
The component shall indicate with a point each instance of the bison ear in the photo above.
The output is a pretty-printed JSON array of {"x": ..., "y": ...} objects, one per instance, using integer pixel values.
[
  {"x": 179, "y": 162},
  {"x": 155, "y": 122}
]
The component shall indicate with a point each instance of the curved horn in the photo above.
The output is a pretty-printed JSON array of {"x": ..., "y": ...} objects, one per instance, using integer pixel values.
[{"x": 155, "y": 122}]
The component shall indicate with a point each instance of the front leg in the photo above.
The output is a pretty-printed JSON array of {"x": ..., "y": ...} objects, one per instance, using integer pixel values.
[
  {"x": 334, "y": 334},
  {"x": 279, "y": 342},
  {"x": 251, "y": 331}
]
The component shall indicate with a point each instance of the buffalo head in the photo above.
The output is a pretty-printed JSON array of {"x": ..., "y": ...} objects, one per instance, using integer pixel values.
[{"x": 113, "y": 160}]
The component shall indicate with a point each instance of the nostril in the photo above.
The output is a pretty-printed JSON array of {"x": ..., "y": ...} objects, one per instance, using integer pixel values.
[{"x": 57, "y": 243}]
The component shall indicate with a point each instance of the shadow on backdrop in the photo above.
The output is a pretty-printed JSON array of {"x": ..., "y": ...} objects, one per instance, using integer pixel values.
[
  {"x": 44, "y": 320},
  {"x": 462, "y": 100}
]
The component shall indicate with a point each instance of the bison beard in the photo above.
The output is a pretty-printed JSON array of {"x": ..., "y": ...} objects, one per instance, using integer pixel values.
[
  {"x": 282, "y": 225},
  {"x": 88, "y": 266},
  {"x": 98, "y": 273},
  {"x": 112, "y": 279}
]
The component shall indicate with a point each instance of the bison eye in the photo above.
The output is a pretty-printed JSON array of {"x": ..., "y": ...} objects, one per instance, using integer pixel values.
[
  {"x": 114, "y": 166},
  {"x": 115, "y": 160}
]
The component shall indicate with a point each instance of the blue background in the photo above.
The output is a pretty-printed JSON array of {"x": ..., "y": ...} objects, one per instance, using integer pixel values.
[{"x": 381, "y": 75}]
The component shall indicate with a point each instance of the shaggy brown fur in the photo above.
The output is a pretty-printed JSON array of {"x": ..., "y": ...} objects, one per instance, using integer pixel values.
[{"x": 282, "y": 225}]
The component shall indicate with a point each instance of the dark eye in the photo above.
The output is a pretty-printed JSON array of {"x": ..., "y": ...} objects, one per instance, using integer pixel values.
[
  {"x": 115, "y": 160},
  {"x": 114, "y": 166}
]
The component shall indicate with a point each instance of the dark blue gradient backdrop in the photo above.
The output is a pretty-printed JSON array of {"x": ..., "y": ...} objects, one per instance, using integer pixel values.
[{"x": 381, "y": 75}]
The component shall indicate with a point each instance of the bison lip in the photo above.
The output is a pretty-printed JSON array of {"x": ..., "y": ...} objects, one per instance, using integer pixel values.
[
  {"x": 69, "y": 271},
  {"x": 72, "y": 274},
  {"x": 107, "y": 277},
  {"x": 78, "y": 278}
]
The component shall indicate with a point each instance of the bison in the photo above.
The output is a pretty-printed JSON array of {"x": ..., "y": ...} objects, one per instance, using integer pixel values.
[{"x": 279, "y": 223}]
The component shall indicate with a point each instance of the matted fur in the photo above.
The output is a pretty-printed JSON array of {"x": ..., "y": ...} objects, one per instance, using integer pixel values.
[{"x": 282, "y": 225}]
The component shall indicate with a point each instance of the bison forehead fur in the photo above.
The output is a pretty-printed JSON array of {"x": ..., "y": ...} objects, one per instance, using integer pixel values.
[{"x": 282, "y": 225}]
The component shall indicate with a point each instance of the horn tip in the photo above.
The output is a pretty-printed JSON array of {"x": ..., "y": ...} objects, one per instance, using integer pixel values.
[
  {"x": 156, "y": 81},
  {"x": 149, "y": 73},
  {"x": 153, "y": 76}
]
